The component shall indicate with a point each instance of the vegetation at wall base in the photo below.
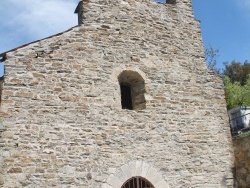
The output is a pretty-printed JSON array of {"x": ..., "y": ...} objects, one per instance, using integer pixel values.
[{"x": 243, "y": 135}]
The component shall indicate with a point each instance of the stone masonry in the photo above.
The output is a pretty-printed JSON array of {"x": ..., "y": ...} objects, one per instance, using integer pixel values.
[{"x": 61, "y": 103}]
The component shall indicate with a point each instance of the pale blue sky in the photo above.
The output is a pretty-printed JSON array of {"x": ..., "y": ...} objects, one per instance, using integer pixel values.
[{"x": 225, "y": 24}]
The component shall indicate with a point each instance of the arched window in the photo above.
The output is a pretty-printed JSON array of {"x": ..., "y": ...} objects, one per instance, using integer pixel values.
[
  {"x": 137, "y": 182},
  {"x": 132, "y": 88},
  {"x": 126, "y": 97}
]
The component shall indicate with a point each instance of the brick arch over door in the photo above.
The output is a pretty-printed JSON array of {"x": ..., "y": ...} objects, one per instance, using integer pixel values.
[{"x": 135, "y": 169}]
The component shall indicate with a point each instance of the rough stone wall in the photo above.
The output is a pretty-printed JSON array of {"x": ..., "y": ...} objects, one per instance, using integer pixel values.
[
  {"x": 1, "y": 87},
  {"x": 242, "y": 161},
  {"x": 62, "y": 109}
]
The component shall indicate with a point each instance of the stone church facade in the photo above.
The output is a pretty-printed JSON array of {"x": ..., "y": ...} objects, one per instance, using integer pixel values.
[{"x": 123, "y": 100}]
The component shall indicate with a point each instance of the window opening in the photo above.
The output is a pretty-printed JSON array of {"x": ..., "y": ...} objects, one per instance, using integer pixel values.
[
  {"x": 132, "y": 88},
  {"x": 137, "y": 182},
  {"x": 126, "y": 98}
]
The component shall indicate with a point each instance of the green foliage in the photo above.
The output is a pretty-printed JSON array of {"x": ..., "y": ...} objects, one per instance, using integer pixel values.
[
  {"x": 237, "y": 72},
  {"x": 243, "y": 135},
  {"x": 237, "y": 94},
  {"x": 236, "y": 78}
]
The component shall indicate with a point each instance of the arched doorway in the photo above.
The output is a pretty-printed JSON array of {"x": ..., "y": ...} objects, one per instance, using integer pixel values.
[
  {"x": 129, "y": 174},
  {"x": 137, "y": 182}
]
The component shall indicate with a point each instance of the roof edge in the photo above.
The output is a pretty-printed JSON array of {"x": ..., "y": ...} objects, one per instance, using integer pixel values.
[{"x": 3, "y": 55}]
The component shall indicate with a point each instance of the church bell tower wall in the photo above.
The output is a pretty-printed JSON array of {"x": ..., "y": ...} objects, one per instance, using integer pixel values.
[{"x": 66, "y": 125}]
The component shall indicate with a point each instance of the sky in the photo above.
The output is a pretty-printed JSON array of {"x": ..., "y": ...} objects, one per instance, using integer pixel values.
[{"x": 224, "y": 24}]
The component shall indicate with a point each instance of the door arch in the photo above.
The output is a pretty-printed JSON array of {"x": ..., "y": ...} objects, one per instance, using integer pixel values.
[
  {"x": 124, "y": 174},
  {"x": 137, "y": 182}
]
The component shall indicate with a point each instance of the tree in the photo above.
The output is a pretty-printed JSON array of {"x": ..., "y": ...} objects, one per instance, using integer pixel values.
[
  {"x": 237, "y": 72},
  {"x": 237, "y": 94},
  {"x": 211, "y": 56},
  {"x": 236, "y": 78}
]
